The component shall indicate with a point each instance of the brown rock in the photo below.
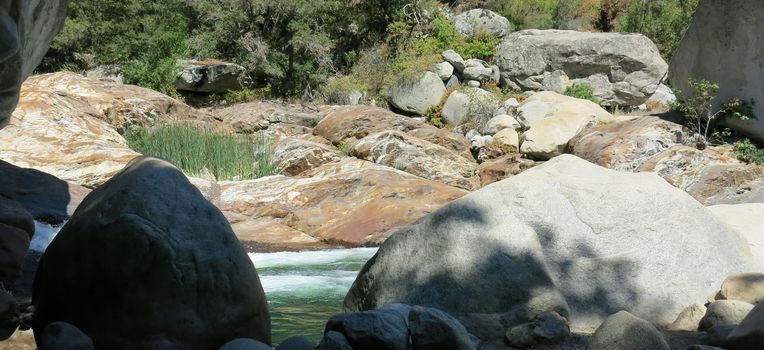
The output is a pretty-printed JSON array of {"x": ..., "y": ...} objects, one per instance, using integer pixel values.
[
  {"x": 266, "y": 235},
  {"x": 747, "y": 287},
  {"x": 357, "y": 122},
  {"x": 248, "y": 118},
  {"x": 294, "y": 155},
  {"x": 625, "y": 145},
  {"x": 418, "y": 157},
  {"x": 351, "y": 202},
  {"x": 503, "y": 167},
  {"x": 451, "y": 141}
]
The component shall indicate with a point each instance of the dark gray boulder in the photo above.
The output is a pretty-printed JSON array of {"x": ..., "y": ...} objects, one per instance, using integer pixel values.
[
  {"x": 296, "y": 343},
  {"x": 433, "y": 329},
  {"x": 64, "y": 336},
  {"x": 334, "y": 341},
  {"x": 147, "y": 263},
  {"x": 750, "y": 333},
  {"x": 27, "y": 28},
  {"x": 384, "y": 329},
  {"x": 244, "y": 344},
  {"x": 9, "y": 309}
]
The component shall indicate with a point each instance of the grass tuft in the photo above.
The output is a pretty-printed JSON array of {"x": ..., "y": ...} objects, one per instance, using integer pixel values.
[{"x": 227, "y": 156}]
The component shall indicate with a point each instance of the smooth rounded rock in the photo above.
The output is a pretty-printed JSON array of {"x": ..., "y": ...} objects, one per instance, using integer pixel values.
[
  {"x": 416, "y": 94},
  {"x": 9, "y": 309},
  {"x": 63, "y": 336},
  {"x": 244, "y": 344},
  {"x": 624, "y": 331},
  {"x": 747, "y": 287},
  {"x": 384, "y": 329},
  {"x": 14, "y": 244},
  {"x": 725, "y": 312},
  {"x": 473, "y": 21},
  {"x": 749, "y": 334},
  {"x": 296, "y": 343},
  {"x": 334, "y": 341},
  {"x": 146, "y": 246},
  {"x": 545, "y": 329}
]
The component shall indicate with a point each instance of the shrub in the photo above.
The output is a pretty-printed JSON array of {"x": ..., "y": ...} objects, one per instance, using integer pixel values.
[
  {"x": 337, "y": 90},
  {"x": 663, "y": 21},
  {"x": 748, "y": 152},
  {"x": 583, "y": 91},
  {"x": 225, "y": 155},
  {"x": 702, "y": 116}
]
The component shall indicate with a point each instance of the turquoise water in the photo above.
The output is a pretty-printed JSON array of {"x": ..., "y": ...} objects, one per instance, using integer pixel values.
[{"x": 304, "y": 289}]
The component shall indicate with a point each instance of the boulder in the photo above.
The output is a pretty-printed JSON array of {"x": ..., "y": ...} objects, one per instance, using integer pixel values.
[
  {"x": 724, "y": 312},
  {"x": 334, "y": 341},
  {"x": 689, "y": 319},
  {"x": 296, "y": 343},
  {"x": 469, "y": 104},
  {"x": 747, "y": 287},
  {"x": 376, "y": 329},
  {"x": 662, "y": 99},
  {"x": 111, "y": 72},
  {"x": 64, "y": 336},
  {"x": 499, "y": 123},
  {"x": 27, "y": 28},
  {"x": 624, "y": 331},
  {"x": 294, "y": 156},
  {"x": 725, "y": 44},
  {"x": 210, "y": 76},
  {"x": 451, "y": 141},
  {"x": 432, "y": 329},
  {"x": 507, "y": 140},
  {"x": 416, "y": 94},
  {"x": 244, "y": 344},
  {"x": 717, "y": 335},
  {"x": 9, "y": 309},
  {"x": 259, "y": 116},
  {"x": 14, "y": 244},
  {"x": 444, "y": 70},
  {"x": 418, "y": 157},
  {"x": 747, "y": 220},
  {"x": 545, "y": 329},
  {"x": 472, "y": 83},
  {"x": 508, "y": 107},
  {"x": 46, "y": 198},
  {"x": 452, "y": 82},
  {"x": 567, "y": 232},
  {"x": 352, "y": 202},
  {"x": 626, "y": 145},
  {"x": 474, "y": 21},
  {"x": 623, "y": 69},
  {"x": 69, "y": 126},
  {"x": 553, "y": 120},
  {"x": 502, "y": 168},
  {"x": 13, "y": 214},
  {"x": 750, "y": 333},
  {"x": 193, "y": 287},
  {"x": 455, "y": 60}
]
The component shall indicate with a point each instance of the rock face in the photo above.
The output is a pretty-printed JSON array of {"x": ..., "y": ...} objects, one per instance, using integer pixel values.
[
  {"x": 623, "y": 69},
  {"x": 474, "y": 21},
  {"x": 417, "y": 94},
  {"x": 556, "y": 235},
  {"x": 192, "y": 288},
  {"x": 553, "y": 120},
  {"x": 212, "y": 76},
  {"x": 268, "y": 117},
  {"x": 725, "y": 44},
  {"x": 747, "y": 220},
  {"x": 352, "y": 202},
  {"x": 418, "y": 157},
  {"x": 68, "y": 126},
  {"x": 624, "y": 331},
  {"x": 27, "y": 28},
  {"x": 295, "y": 156},
  {"x": 625, "y": 145}
]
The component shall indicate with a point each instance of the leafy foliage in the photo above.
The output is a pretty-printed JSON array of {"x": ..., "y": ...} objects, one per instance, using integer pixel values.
[
  {"x": 748, "y": 152},
  {"x": 583, "y": 91},
  {"x": 702, "y": 115},
  {"x": 663, "y": 21},
  {"x": 227, "y": 156}
]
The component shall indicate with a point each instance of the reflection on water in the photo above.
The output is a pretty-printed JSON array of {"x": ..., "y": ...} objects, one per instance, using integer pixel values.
[{"x": 304, "y": 289}]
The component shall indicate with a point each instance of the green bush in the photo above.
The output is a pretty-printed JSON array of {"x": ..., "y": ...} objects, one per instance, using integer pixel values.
[
  {"x": 748, "y": 152},
  {"x": 583, "y": 91},
  {"x": 663, "y": 21},
  {"x": 227, "y": 156}
]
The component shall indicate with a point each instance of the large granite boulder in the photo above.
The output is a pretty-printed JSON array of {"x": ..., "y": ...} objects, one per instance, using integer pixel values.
[
  {"x": 27, "y": 28},
  {"x": 624, "y": 69},
  {"x": 70, "y": 126},
  {"x": 469, "y": 104},
  {"x": 147, "y": 263},
  {"x": 725, "y": 44},
  {"x": 473, "y": 21},
  {"x": 567, "y": 232},
  {"x": 416, "y": 94},
  {"x": 746, "y": 219},
  {"x": 418, "y": 157},
  {"x": 211, "y": 76},
  {"x": 352, "y": 202}
]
